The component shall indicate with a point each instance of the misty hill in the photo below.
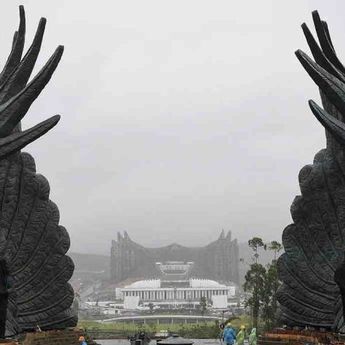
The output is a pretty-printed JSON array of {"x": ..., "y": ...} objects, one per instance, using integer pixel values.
[{"x": 90, "y": 262}]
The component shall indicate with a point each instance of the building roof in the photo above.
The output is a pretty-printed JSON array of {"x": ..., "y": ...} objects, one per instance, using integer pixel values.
[
  {"x": 156, "y": 284},
  {"x": 204, "y": 283},
  {"x": 145, "y": 284}
]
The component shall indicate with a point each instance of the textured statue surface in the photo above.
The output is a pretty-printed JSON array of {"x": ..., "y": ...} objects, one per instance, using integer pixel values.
[
  {"x": 312, "y": 269},
  {"x": 34, "y": 270}
]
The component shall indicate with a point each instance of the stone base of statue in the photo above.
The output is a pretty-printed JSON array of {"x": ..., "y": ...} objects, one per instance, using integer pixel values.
[
  {"x": 69, "y": 336},
  {"x": 282, "y": 336}
]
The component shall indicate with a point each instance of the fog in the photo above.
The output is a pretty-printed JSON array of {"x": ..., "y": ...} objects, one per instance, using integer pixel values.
[{"x": 179, "y": 118}]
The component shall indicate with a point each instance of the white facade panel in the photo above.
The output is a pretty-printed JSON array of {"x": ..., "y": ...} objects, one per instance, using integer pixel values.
[
  {"x": 220, "y": 302},
  {"x": 131, "y": 302}
]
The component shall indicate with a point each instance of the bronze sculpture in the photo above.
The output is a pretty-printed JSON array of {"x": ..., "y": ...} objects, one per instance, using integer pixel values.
[
  {"x": 312, "y": 268},
  {"x": 34, "y": 269}
]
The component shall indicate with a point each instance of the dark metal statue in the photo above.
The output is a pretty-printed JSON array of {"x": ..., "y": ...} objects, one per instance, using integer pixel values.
[
  {"x": 312, "y": 269},
  {"x": 34, "y": 270},
  {"x": 4, "y": 295}
]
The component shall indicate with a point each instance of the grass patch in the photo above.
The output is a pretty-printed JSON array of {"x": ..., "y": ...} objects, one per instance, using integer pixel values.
[{"x": 201, "y": 330}]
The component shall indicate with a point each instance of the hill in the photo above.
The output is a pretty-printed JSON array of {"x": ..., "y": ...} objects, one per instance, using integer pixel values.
[{"x": 90, "y": 262}]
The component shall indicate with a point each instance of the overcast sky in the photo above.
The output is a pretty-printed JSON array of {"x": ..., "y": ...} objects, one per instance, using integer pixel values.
[{"x": 179, "y": 118}]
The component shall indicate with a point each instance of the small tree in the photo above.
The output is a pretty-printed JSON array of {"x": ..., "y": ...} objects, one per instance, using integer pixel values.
[
  {"x": 270, "y": 305},
  {"x": 203, "y": 305},
  {"x": 151, "y": 306},
  {"x": 255, "y": 243},
  {"x": 276, "y": 247},
  {"x": 254, "y": 283},
  {"x": 272, "y": 283},
  {"x": 263, "y": 283}
]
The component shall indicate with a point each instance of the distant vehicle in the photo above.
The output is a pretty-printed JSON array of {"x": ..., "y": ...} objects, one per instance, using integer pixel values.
[
  {"x": 162, "y": 334},
  {"x": 175, "y": 340},
  {"x": 142, "y": 308},
  {"x": 140, "y": 338}
]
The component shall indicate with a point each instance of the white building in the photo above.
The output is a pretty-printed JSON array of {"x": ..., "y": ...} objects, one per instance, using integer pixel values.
[
  {"x": 182, "y": 292},
  {"x": 175, "y": 288}
]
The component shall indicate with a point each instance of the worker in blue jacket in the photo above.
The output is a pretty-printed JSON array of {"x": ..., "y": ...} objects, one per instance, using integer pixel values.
[{"x": 229, "y": 334}]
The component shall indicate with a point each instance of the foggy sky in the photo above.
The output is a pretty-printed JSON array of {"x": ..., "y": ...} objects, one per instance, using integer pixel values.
[{"x": 179, "y": 118}]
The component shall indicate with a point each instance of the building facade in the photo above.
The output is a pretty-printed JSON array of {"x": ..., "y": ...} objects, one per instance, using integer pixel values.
[
  {"x": 218, "y": 261},
  {"x": 153, "y": 291},
  {"x": 175, "y": 288}
]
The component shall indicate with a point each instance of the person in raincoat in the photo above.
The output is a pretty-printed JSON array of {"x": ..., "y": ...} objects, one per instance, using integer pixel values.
[
  {"x": 229, "y": 335},
  {"x": 252, "y": 337},
  {"x": 82, "y": 340},
  {"x": 240, "y": 335}
]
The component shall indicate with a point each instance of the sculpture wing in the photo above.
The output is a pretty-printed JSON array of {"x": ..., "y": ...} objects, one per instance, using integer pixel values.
[
  {"x": 34, "y": 248},
  {"x": 32, "y": 242},
  {"x": 16, "y": 96},
  {"x": 314, "y": 244}
]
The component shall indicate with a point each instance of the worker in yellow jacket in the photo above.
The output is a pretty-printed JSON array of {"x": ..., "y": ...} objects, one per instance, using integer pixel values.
[{"x": 240, "y": 335}]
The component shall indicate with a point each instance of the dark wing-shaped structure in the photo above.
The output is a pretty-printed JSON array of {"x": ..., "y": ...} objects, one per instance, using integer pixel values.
[
  {"x": 34, "y": 287},
  {"x": 312, "y": 269}
]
